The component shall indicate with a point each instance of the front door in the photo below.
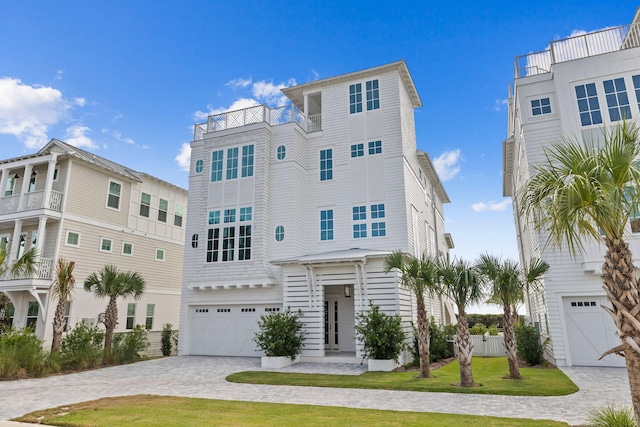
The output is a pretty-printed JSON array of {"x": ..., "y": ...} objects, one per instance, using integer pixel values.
[{"x": 331, "y": 324}]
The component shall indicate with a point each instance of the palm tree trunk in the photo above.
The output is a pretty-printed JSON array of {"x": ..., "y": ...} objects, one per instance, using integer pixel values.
[
  {"x": 58, "y": 326},
  {"x": 110, "y": 322},
  {"x": 621, "y": 287},
  {"x": 465, "y": 350},
  {"x": 510, "y": 343},
  {"x": 423, "y": 338}
]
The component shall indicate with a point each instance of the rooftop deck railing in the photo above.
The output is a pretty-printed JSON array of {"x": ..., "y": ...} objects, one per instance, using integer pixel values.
[
  {"x": 257, "y": 114},
  {"x": 577, "y": 47}
]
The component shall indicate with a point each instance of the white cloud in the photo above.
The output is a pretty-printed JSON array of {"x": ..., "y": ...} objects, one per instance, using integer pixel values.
[
  {"x": 500, "y": 104},
  {"x": 27, "y": 112},
  {"x": 80, "y": 102},
  {"x": 316, "y": 75},
  {"x": 58, "y": 75},
  {"x": 239, "y": 83},
  {"x": 270, "y": 94},
  {"x": 183, "y": 159},
  {"x": 446, "y": 164},
  {"x": 75, "y": 135},
  {"x": 491, "y": 206},
  {"x": 238, "y": 104},
  {"x": 119, "y": 137}
]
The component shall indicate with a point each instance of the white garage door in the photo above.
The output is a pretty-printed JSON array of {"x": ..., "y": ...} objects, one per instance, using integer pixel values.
[
  {"x": 224, "y": 330},
  {"x": 590, "y": 332}
]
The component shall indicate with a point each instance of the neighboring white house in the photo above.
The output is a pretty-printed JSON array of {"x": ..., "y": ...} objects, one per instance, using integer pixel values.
[
  {"x": 574, "y": 88},
  {"x": 69, "y": 203},
  {"x": 298, "y": 206}
]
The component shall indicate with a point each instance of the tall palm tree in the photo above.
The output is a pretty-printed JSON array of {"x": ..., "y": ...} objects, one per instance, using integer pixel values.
[
  {"x": 462, "y": 284},
  {"x": 113, "y": 283},
  {"x": 26, "y": 265},
  {"x": 587, "y": 192},
  {"x": 507, "y": 286},
  {"x": 63, "y": 284},
  {"x": 420, "y": 276}
]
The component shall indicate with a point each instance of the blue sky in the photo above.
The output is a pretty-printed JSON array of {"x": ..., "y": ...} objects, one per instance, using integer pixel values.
[{"x": 128, "y": 79}]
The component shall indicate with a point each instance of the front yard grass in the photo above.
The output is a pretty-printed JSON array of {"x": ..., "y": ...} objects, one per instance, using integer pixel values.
[
  {"x": 160, "y": 411},
  {"x": 489, "y": 372}
]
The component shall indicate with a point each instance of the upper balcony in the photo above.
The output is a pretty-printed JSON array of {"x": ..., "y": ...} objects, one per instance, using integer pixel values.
[
  {"x": 258, "y": 114},
  {"x": 30, "y": 201},
  {"x": 577, "y": 47}
]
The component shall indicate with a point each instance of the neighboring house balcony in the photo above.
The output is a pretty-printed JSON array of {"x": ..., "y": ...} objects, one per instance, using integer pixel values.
[
  {"x": 31, "y": 201},
  {"x": 44, "y": 271},
  {"x": 258, "y": 114},
  {"x": 577, "y": 47}
]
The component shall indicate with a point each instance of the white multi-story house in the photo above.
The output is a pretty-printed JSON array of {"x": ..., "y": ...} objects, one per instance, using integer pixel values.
[
  {"x": 298, "y": 206},
  {"x": 575, "y": 88},
  {"x": 69, "y": 203}
]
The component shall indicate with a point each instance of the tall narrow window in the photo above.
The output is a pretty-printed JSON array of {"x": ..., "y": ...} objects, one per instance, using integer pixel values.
[
  {"x": 588, "y": 104},
  {"x": 194, "y": 241},
  {"x": 67, "y": 312},
  {"x": 163, "y": 207},
  {"x": 373, "y": 95},
  {"x": 11, "y": 185},
  {"x": 216, "y": 165},
  {"x": 378, "y": 229},
  {"x": 177, "y": 218},
  {"x": 247, "y": 160},
  {"x": 228, "y": 237},
  {"x": 359, "y": 228},
  {"x": 8, "y": 315},
  {"x": 617, "y": 99},
  {"x": 32, "y": 315},
  {"x": 279, "y": 233},
  {"x": 244, "y": 242},
  {"x": 131, "y": 315},
  {"x": 145, "y": 204},
  {"x": 636, "y": 86},
  {"x": 199, "y": 166},
  {"x": 32, "y": 183},
  {"x": 326, "y": 224},
  {"x": 355, "y": 98},
  {"x": 113, "y": 200},
  {"x": 634, "y": 212},
  {"x": 232, "y": 163},
  {"x": 326, "y": 165},
  {"x": 148, "y": 323},
  {"x": 213, "y": 244}
]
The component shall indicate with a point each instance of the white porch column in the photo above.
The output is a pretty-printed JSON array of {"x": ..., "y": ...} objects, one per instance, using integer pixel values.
[
  {"x": 3, "y": 181},
  {"x": 48, "y": 183},
  {"x": 42, "y": 222},
  {"x": 15, "y": 240},
  {"x": 25, "y": 186}
]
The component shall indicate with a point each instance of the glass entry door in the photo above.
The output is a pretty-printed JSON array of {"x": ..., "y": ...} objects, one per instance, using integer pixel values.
[{"x": 331, "y": 324}]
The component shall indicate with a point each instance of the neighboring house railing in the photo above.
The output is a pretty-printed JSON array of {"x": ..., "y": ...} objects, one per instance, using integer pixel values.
[
  {"x": 257, "y": 114},
  {"x": 34, "y": 200},
  {"x": 577, "y": 47},
  {"x": 44, "y": 270}
]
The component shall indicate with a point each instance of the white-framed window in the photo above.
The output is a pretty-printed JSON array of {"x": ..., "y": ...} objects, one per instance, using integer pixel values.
[
  {"x": 357, "y": 150},
  {"x": 373, "y": 95},
  {"x": 214, "y": 217},
  {"x": 163, "y": 207},
  {"x": 326, "y": 224},
  {"x": 67, "y": 312},
  {"x": 375, "y": 147},
  {"x": 588, "y": 104},
  {"x": 148, "y": 322},
  {"x": 326, "y": 164},
  {"x": 159, "y": 254},
  {"x": 378, "y": 229},
  {"x": 55, "y": 174},
  {"x": 355, "y": 98},
  {"x": 279, "y": 233},
  {"x": 105, "y": 244},
  {"x": 11, "y": 185},
  {"x": 199, "y": 166},
  {"x": 32, "y": 315},
  {"x": 247, "y": 160},
  {"x": 232, "y": 163},
  {"x": 540, "y": 106},
  {"x": 115, "y": 191},
  {"x": 617, "y": 100},
  {"x": 131, "y": 315},
  {"x": 177, "y": 216},
  {"x": 359, "y": 228},
  {"x": 32, "y": 183},
  {"x": 281, "y": 152},
  {"x": 127, "y": 248},
  {"x": 73, "y": 238},
  {"x": 145, "y": 204},
  {"x": 217, "y": 158}
]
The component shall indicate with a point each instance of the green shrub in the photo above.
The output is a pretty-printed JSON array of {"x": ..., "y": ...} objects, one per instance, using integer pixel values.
[
  {"x": 167, "y": 339},
  {"x": 438, "y": 347},
  {"x": 281, "y": 334},
  {"x": 381, "y": 335},
  {"x": 21, "y": 354},
  {"x": 612, "y": 416},
  {"x": 127, "y": 346},
  {"x": 493, "y": 330},
  {"x": 81, "y": 348},
  {"x": 478, "y": 329},
  {"x": 528, "y": 344}
]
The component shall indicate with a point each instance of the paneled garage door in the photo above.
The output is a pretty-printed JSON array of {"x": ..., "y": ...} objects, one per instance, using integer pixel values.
[
  {"x": 225, "y": 330},
  {"x": 590, "y": 332}
]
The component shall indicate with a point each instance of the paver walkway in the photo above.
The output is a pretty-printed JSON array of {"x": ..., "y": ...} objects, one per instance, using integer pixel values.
[{"x": 199, "y": 376}]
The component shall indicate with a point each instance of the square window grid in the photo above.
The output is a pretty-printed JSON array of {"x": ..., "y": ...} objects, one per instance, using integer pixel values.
[
  {"x": 378, "y": 229},
  {"x": 375, "y": 147},
  {"x": 540, "y": 106},
  {"x": 229, "y": 215},
  {"x": 617, "y": 100},
  {"x": 355, "y": 98},
  {"x": 588, "y": 105},
  {"x": 359, "y": 231},
  {"x": 214, "y": 217},
  {"x": 359, "y": 213},
  {"x": 246, "y": 214},
  {"x": 357, "y": 150},
  {"x": 373, "y": 95},
  {"x": 377, "y": 211}
]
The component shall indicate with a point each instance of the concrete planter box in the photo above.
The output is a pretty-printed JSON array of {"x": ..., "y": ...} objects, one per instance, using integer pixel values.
[
  {"x": 381, "y": 365},
  {"x": 277, "y": 362}
]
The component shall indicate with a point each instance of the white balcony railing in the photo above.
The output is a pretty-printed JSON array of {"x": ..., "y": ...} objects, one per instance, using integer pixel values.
[
  {"x": 33, "y": 200},
  {"x": 44, "y": 270},
  {"x": 257, "y": 114},
  {"x": 577, "y": 47}
]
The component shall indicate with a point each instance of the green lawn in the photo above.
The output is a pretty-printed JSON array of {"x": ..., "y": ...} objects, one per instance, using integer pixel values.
[
  {"x": 160, "y": 411},
  {"x": 489, "y": 372}
]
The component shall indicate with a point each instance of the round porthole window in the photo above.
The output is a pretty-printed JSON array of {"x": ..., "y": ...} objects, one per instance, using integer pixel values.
[
  {"x": 281, "y": 152},
  {"x": 279, "y": 233},
  {"x": 199, "y": 166}
]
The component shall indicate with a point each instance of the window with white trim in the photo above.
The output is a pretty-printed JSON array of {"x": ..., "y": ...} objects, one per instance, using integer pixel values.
[
  {"x": 279, "y": 233},
  {"x": 326, "y": 164},
  {"x": 217, "y": 158},
  {"x": 32, "y": 183},
  {"x": 214, "y": 217},
  {"x": 229, "y": 215},
  {"x": 326, "y": 224},
  {"x": 375, "y": 147},
  {"x": 540, "y": 106},
  {"x": 148, "y": 322},
  {"x": 127, "y": 248},
  {"x": 373, "y": 95},
  {"x": 177, "y": 216},
  {"x": 199, "y": 166},
  {"x": 159, "y": 254},
  {"x": 194, "y": 241},
  {"x": 244, "y": 242},
  {"x": 281, "y": 152},
  {"x": 588, "y": 105},
  {"x": 228, "y": 240},
  {"x": 11, "y": 185},
  {"x": 163, "y": 207},
  {"x": 213, "y": 244},
  {"x": 359, "y": 213},
  {"x": 67, "y": 312},
  {"x": 232, "y": 163},
  {"x": 617, "y": 100},
  {"x": 355, "y": 98},
  {"x": 246, "y": 213},
  {"x": 378, "y": 229},
  {"x": 73, "y": 238},
  {"x": 247, "y": 161},
  {"x": 145, "y": 204},
  {"x": 357, "y": 150},
  {"x": 113, "y": 199},
  {"x": 32, "y": 315},
  {"x": 131, "y": 315},
  {"x": 105, "y": 244}
]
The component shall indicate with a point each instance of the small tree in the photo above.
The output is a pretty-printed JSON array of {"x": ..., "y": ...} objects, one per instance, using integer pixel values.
[
  {"x": 381, "y": 335},
  {"x": 63, "y": 283},
  {"x": 281, "y": 334},
  {"x": 166, "y": 339}
]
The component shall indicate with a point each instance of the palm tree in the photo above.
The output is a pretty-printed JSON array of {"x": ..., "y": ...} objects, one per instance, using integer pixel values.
[
  {"x": 587, "y": 192},
  {"x": 461, "y": 283},
  {"x": 420, "y": 276},
  {"x": 113, "y": 283},
  {"x": 26, "y": 265},
  {"x": 63, "y": 284},
  {"x": 507, "y": 286}
]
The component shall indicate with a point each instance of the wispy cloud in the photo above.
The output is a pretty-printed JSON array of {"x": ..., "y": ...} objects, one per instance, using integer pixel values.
[
  {"x": 58, "y": 75},
  {"x": 500, "y": 104},
  {"x": 76, "y": 136},
  {"x": 239, "y": 83},
  {"x": 81, "y": 102},
  {"x": 117, "y": 135},
  {"x": 447, "y": 164},
  {"x": 183, "y": 159},
  {"x": 491, "y": 206},
  {"x": 28, "y": 112}
]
